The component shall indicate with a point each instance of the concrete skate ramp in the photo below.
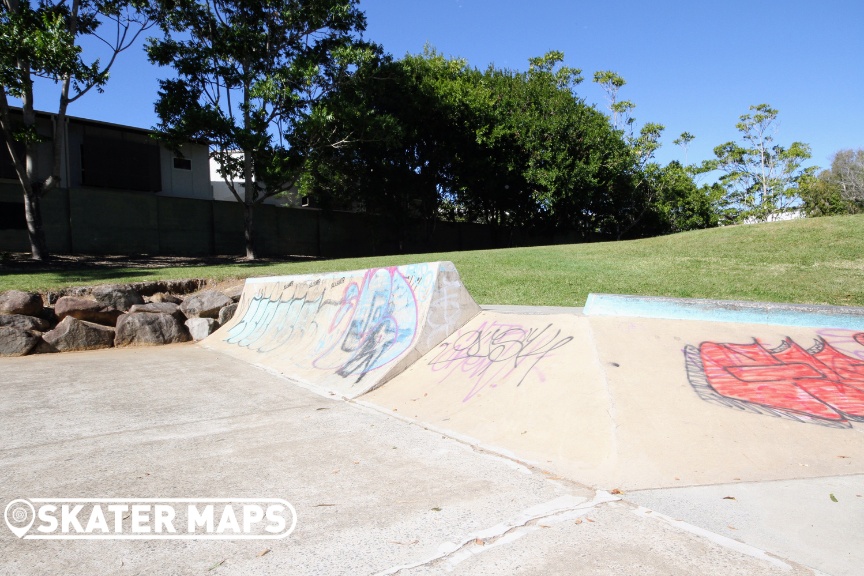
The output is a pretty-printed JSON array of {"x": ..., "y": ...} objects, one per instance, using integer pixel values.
[
  {"x": 346, "y": 332},
  {"x": 624, "y": 402}
]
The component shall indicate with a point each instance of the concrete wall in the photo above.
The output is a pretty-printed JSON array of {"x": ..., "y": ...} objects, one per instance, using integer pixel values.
[{"x": 105, "y": 221}]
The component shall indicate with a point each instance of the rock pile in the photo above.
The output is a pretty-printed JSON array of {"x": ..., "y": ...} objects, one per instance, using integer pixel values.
[{"x": 142, "y": 314}]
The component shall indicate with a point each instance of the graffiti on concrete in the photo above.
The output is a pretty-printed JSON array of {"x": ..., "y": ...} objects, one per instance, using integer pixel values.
[
  {"x": 820, "y": 384},
  {"x": 371, "y": 323},
  {"x": 496, "y": 353}
]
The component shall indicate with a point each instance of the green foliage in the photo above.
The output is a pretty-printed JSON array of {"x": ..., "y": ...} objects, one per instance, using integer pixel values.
[
  {"x": 42, "y": 40},
  {"x": 761, "y": 178},
  {"x": 837, "y": 190},
  {"x": 247, "y": 75},
  {"x": 431, "y": 137}
]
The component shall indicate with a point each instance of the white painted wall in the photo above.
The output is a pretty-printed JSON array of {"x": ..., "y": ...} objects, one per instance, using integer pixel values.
[{"x": 223, "y": 193}]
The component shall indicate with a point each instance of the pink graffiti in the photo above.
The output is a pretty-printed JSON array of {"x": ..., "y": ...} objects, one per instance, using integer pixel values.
[{"x": 495, "y": 353}]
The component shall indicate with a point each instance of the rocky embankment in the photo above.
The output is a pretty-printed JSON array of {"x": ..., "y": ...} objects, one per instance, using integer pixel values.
[{"x": 89, "y": 318}]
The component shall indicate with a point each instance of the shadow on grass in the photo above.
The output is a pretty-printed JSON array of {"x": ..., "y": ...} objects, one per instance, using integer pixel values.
[{"x": 75, "y": 269}]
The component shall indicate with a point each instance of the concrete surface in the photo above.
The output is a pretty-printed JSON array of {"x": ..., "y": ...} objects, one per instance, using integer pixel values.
[
  {"x": 608, "y": 401},
  {"x": 793, "y": 518},
  {"x": 509, "y": 441},
  {"x": 348, "y": 332},
  {"x": 374, "y": 494}
]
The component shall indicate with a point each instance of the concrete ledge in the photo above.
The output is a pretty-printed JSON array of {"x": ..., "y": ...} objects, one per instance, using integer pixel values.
[{"x": 777, "y": 314}]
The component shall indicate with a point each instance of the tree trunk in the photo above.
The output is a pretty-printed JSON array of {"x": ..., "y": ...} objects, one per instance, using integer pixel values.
[
  {"x": 248, "y": 223},
  {"x": 33, "y": 213}
]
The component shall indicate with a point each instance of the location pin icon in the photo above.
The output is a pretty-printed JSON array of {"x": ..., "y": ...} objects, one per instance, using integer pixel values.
[{"x": 19, "y": 515}]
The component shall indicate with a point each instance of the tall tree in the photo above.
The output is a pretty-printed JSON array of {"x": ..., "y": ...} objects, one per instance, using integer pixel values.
[
  {"x": 838, "y": 189},
  {"x": 684, "y": 142},
  {"x": 761, "y": 178},
  {"x": 43, "y": 40},
  {"x": 847, "y": 171},
  {"x": 247, "y": 74}
]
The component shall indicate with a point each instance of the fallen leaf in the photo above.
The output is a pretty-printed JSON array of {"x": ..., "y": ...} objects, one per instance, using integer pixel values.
[
  {"x": 578, "y": 521},
  {"x": 677, "y": 478},
  {"x": 336, "y": 471},
  {"x": 479, "y": 542},
  {"x": 316, "y": 409},
  {"x": 588, "y": 520},
  {"x": 729, "y": 498},
  {"x": 615, "y": 491},
  {"x": 317, "y": 505},
  {"x": 843, "y": 456},
  {"x": 731, "y": 527},
  {"x": 436, "y": 509},
  {"x": 833, "y": 498},
  {"x": 264, "y": 552},
  {"x": 216, "y": 565}
]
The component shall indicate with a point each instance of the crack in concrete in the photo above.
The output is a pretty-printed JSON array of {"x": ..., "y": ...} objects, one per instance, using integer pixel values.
[{"x": 554, "y": 511}]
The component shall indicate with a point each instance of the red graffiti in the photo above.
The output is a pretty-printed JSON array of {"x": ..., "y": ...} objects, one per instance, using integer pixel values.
[{"x": 818, "y": 384}]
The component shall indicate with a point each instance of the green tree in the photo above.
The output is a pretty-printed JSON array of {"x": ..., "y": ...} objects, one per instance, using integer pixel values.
[
  {"x": 612, "y": 82},
  {"x": 761, "y": 178},
  {"x": 838, "y": 189},
  {"x": 684, "y": 142},
  {"x": 247, "y": 74},
  {"x": 435, "y": 138},
  {"x": 680, "y": 204},
  {"x": 43, "y": 40}
]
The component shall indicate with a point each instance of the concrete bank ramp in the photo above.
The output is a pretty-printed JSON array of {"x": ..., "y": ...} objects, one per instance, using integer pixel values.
[
  {"x": 628, "y": 402},
  {"x": 346, "y": 332}
]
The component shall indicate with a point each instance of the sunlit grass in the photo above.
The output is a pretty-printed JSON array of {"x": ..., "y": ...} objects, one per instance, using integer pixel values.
[{"x": 817, "y": 261}]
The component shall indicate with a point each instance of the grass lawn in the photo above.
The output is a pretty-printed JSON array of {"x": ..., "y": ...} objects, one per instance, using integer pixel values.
[{"x": 814, "y": 261}]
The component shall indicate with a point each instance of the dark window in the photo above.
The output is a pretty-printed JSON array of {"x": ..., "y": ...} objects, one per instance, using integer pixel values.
[
  {"x": 12, "y": 216},
  {"x": 120, "y": 164},
  {"x": 182, "y": 163}
]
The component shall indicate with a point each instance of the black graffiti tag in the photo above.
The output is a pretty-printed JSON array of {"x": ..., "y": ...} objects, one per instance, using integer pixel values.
[{"x": 496, "y": 352}]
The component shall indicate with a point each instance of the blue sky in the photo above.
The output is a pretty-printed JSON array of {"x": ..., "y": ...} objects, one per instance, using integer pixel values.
[{"x": 690, "y": 65}]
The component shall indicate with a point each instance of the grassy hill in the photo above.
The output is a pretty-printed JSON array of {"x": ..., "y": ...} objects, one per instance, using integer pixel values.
[{"x": 816, "y": 261}]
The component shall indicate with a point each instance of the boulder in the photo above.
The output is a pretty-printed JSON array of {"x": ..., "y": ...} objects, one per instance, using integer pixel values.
[
  {"x": 119, "y": 296},
  {"x": 18, "y": 302},
  {"x": 159, "y": 308},
  {"x": 25, "y": 322},
  {"x": 149, "y": 329},
  {"x": 73, "y": 334},
  {"x": 165, "y": 297},
  {"x": 234, "y": 292},
  {"x": 226, "y": 313},
  {"x": 43, "y": 347},
  {"x": 204, "y": 304},
  {"x": 200, "y": 328},
  {"x": 86, "y": 309},
  {"x": 16, "y": 341}
]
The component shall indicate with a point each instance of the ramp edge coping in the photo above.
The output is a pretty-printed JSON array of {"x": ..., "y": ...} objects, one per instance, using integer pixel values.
[{"x": 739, "y": 311}]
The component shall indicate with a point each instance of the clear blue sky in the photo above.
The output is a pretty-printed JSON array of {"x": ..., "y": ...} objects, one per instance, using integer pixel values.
[{"x": 691, "y": 65}]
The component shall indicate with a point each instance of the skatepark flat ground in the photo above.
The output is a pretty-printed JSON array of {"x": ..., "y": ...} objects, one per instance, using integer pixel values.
[{"x": 374, "y": 492}]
